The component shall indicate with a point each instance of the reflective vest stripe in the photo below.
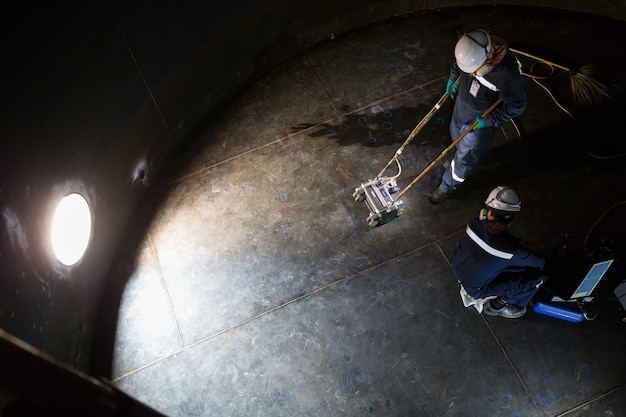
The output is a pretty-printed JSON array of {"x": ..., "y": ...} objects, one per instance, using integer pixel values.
[
  {"x": 485, "y": 246},
  {"x": 454, "y": 176}
]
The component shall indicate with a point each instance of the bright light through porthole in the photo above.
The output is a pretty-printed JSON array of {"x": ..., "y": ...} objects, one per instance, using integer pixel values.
[{"x": 71, "y": 228}]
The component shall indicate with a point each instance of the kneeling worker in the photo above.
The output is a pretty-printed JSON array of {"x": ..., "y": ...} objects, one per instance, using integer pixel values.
[{"x": 490, "y": 262}]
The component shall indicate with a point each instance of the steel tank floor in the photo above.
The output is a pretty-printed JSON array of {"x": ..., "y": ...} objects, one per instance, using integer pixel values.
[{"x": 261, "y": 289}]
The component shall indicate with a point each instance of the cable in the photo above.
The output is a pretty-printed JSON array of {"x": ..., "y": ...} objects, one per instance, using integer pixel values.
[
  {"x": 536, "y": 79},
  {"x": 598, "y": 221},
  {"x": 595, "y": 292},
  {"x": 419, "y": 126},
  {"x": 399, "y": 170},
  {"x": 583, "y": 309},
  {"x": 519, "y": 133}
]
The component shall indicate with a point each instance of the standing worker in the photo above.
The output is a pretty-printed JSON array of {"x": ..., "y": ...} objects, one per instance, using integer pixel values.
[
  {"x": 488, "y": 71},
  {"x": 492, "y": 264}
]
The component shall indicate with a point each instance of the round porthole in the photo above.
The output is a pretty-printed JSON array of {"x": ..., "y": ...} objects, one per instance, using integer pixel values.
[{"x": 71, "y": 229}]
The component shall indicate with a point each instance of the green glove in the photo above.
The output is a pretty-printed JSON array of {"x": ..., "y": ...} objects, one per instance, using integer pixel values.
[
  {"x": 451, "y": 91},
  {"x": 480, "y": 123}
]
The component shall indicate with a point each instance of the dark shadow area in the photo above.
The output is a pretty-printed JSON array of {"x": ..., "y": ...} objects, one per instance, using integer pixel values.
[
  {"x": 389, "y": 127},
  {"x": 554, "y": 162}
]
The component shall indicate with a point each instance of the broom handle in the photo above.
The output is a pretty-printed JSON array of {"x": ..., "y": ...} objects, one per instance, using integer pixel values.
[
  {"x": 539, "y": 59},
  {"x": 419, "y": 127},
  {"x": 445, "y": 151}
]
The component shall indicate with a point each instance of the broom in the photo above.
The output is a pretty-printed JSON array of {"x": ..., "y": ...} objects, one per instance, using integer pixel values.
[{"x": 585, "y": 87}]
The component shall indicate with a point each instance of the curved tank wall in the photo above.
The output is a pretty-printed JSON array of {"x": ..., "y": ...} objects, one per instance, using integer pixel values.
[{"x": 101, "y": 99}]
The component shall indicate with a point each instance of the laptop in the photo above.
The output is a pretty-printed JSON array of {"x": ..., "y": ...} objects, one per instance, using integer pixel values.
[{"x": 573, "y": 277}]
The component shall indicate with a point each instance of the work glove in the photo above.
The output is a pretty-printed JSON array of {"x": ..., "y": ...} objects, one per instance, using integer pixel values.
[
  {"x": 451, "y": 90},
  {"x": 480, "y": 123}
]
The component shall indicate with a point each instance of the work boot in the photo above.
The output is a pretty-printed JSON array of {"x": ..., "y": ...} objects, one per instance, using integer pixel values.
[
  {"x": 509, "y": 311},
  {"x": 438, "y": 196}
]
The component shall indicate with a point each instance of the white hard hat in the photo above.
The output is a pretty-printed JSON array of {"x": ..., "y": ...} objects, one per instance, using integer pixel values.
[
  {"x": 504, "y": 198},
  {"x": 471, "y": 50}
]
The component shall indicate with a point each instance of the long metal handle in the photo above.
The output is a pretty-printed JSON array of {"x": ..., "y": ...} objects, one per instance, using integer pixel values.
[
  {"x": 419, "y": 127},
  {"x": 445, "y": 151}
]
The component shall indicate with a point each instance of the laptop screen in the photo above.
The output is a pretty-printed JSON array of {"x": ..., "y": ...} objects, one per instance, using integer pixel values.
[{"x": 592, "y": 279}]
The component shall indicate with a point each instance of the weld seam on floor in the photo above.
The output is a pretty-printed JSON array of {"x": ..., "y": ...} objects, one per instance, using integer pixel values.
[
  {"x": 201, "y": 171},
  {"x": 399, "y": 94},
  {"x": 509, "y": 360},
  {"x": 442, "y": 253},
  {"x": 330, "y": 99},
  {"x": 301, "y": 297},
  {"x": 167, "y": 293},
  {"x": 586, "y": 403},
  {"x": 406, "y": 240},
  {"x": 380, "y": 250}
]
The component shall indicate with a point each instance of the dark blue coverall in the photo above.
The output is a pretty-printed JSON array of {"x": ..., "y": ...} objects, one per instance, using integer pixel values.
[
  {"x": 510, "y": 86},
  {"x": 491, "y": 262}
]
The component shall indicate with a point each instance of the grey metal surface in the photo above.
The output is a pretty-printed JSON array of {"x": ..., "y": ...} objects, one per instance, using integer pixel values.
[{"x": 262, "y": 291}]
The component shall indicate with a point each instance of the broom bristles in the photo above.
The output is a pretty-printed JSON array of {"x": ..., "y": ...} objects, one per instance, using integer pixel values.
[{"x": 585, "y": 87}]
